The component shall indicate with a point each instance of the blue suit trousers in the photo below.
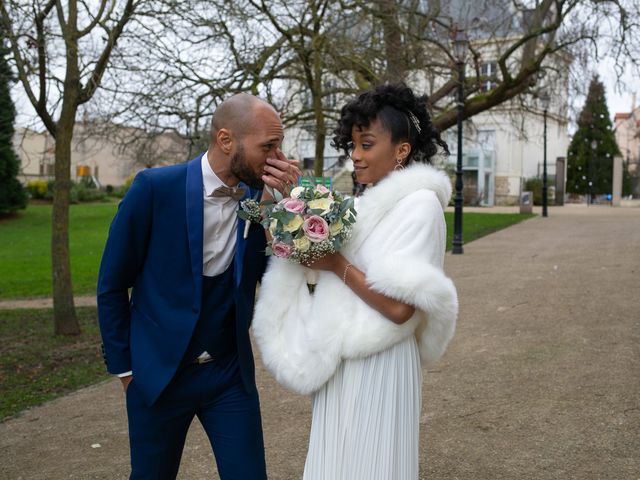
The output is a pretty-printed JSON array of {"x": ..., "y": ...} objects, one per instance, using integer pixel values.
[{"x": 230, "y": 416}]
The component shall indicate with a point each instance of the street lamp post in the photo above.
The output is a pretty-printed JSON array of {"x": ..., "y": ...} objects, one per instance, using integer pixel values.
[
  {"x": 594, "y": 146},
  {"x": 460, "y": 44},
  {"x": 545, "y": 100}
]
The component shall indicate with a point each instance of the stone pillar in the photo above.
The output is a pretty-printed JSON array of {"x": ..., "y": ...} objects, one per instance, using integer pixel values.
[
  {"x": 617, "y": 181},
  {"x": 560, "y": 180}
]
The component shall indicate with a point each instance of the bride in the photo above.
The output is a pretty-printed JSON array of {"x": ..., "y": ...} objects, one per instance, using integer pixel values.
[{"x": 381, "y": 307}]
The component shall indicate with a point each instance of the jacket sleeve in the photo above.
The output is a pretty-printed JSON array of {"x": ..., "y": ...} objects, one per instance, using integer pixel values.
[
  {"x": 412, "y": 271},
  {"x": 122, "y": 261}
]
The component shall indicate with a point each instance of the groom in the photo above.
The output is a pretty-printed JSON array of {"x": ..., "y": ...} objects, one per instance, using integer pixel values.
[{"x": 180, "y": 342}]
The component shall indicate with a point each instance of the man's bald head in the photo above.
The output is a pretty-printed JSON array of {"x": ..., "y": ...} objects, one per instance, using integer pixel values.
[
  {"x": 237, "y": 114},
  {"x": 245, "y": 133}
]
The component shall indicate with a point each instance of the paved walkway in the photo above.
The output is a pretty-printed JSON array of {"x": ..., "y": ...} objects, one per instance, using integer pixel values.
[
  {"x": 84, "y": 301},
  {"x": 542, "y": 380}
]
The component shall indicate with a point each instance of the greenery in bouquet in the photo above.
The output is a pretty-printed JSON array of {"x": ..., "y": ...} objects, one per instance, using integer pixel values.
[{"x": 307, "y": 225}]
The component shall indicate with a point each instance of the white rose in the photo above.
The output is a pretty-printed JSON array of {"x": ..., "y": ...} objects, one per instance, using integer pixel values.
[
  {"x": 294, "y": 224},
  {"x": 335, "y": 228},
  {"x": 323, "y": 204},
  {"x": 296, "y": 192},
  {"x": 302, "y": 244}
]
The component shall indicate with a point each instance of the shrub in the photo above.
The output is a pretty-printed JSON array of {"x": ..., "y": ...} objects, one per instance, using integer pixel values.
[
  {"x": 80, "y": 192},
  {"x": 121, "y": 191},
  {"x": 534, "y": 185},
  {"x": 37, "y": 188}
]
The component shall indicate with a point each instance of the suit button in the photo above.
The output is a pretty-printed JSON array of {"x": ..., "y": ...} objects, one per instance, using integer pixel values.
[{"x": 195, "y": 310}]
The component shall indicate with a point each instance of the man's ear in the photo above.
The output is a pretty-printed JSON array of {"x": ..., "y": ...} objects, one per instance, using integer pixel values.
[{"x": 224, "y": 140}]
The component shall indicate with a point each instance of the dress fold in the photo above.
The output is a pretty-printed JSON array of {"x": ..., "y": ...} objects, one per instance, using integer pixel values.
[{"x": 366, "y": 418}]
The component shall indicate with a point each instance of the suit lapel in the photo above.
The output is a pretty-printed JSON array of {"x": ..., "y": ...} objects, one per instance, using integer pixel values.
[
  {"x": 195, "y": 212},
  {"x": 241, "y": 242}
]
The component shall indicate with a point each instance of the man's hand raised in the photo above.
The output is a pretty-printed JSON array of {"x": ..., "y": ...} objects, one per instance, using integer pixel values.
[{"x": 281, "y": 173}]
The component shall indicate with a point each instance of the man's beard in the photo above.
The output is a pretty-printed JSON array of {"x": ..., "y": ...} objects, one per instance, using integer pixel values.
[{"x": 242, "y": 170}]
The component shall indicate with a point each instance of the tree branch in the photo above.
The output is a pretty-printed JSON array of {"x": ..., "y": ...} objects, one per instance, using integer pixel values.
[{"x": 94, "y": 81}]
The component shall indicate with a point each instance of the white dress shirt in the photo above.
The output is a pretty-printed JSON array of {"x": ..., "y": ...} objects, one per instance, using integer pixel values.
[{"x": 219, "y": 227}]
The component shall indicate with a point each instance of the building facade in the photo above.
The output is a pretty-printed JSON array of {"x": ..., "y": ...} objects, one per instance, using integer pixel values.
[
  {"x": 503, "y": 148},
  {"x": 104, "y": 159},
  {"x": 627, "y": 131}
]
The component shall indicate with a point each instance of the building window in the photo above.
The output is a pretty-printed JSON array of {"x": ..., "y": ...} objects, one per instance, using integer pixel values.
[
  {"x": 488, "y": 76},
  {"x": 331, "y": 99}
]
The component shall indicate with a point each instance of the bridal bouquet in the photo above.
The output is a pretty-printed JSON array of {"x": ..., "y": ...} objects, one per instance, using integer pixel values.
[{"x": 305, "y": 226}]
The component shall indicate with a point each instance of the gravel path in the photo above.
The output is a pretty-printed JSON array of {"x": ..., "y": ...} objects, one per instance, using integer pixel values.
[{"x": 542, "y": 380}]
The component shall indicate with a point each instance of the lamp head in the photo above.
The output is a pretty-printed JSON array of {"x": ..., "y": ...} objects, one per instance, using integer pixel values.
[
  {"x": 545, "y": 100},
  {"x": 460, "y": 44}
]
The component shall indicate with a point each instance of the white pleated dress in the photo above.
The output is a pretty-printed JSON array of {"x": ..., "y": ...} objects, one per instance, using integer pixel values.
[{"x": 366, "y": 418}]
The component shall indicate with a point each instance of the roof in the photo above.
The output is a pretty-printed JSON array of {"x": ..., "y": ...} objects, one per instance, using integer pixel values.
[
  {"x": 621, "y": 116},
  {"x": 487, "y": 18}
]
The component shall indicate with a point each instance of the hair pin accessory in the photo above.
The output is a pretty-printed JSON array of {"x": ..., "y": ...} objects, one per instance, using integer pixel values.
[{"x": 414, "y": 120}]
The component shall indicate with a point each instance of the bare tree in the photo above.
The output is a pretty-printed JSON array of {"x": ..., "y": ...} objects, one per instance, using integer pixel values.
[
  {"x": 300, "y": 56},
  {"x": 528, "y": 44},
  {"x": 308, "y": 56},
  {"x": 323, "y": 48},
  {"x": 61, "y": 51}
]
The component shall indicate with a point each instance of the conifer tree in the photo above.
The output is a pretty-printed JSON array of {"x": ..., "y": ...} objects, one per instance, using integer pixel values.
[
  {"x": 591, "y": 152},
  {"x": 12, "y": 194}
]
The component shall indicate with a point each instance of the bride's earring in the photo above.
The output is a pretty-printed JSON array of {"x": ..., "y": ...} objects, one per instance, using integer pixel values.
[{"x": 399, "y": 164}]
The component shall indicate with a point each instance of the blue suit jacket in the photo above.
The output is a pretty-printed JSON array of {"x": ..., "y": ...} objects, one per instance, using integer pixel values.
[{"x": 155, "y": 248}]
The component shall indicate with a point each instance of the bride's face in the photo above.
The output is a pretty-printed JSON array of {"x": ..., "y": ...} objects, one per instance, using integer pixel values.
[{"x": 373, "y": 153}]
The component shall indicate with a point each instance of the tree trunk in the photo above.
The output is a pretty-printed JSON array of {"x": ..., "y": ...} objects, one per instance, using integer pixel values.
[
  {"x": 318, "y": 111},
  {"x": 318, "y": 165},
  {"x": 64, "y": 313},
  {"x": 392, "y": 33},
  {"x": 320, "y": 127}
]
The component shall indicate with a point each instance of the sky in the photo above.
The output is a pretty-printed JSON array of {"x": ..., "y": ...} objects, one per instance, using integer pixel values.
[{"x": 618, "y": 97}]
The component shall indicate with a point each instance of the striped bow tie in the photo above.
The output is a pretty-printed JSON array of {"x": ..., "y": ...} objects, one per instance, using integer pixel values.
[{"x": 234, "y": 192}]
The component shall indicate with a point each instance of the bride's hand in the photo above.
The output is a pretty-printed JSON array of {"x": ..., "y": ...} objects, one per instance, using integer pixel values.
[{"x": 329, "y": 262}]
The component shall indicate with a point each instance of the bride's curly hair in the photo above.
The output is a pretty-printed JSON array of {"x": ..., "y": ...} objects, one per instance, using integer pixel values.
[{"x": 392, "y": 105}]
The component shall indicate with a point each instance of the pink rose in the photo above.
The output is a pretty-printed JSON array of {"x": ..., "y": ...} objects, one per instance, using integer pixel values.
[
  {"x": 282, "y": 250},
  {"x": 322, "y": 190},
  {"x": 294, "y": 205},
  {"x": 316, "y": 228}
]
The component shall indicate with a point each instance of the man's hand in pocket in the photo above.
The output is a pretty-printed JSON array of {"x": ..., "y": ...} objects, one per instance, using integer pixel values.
[{"x": 125, "y": 382}]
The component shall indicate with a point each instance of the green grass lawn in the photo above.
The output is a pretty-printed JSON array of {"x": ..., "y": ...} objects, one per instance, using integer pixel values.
[
  {"x": 35, "y": 366},
  {"x": 476, "y": 225},
  {"x": 25, "y": 263},
  {"x": 25, "y": 249}
]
